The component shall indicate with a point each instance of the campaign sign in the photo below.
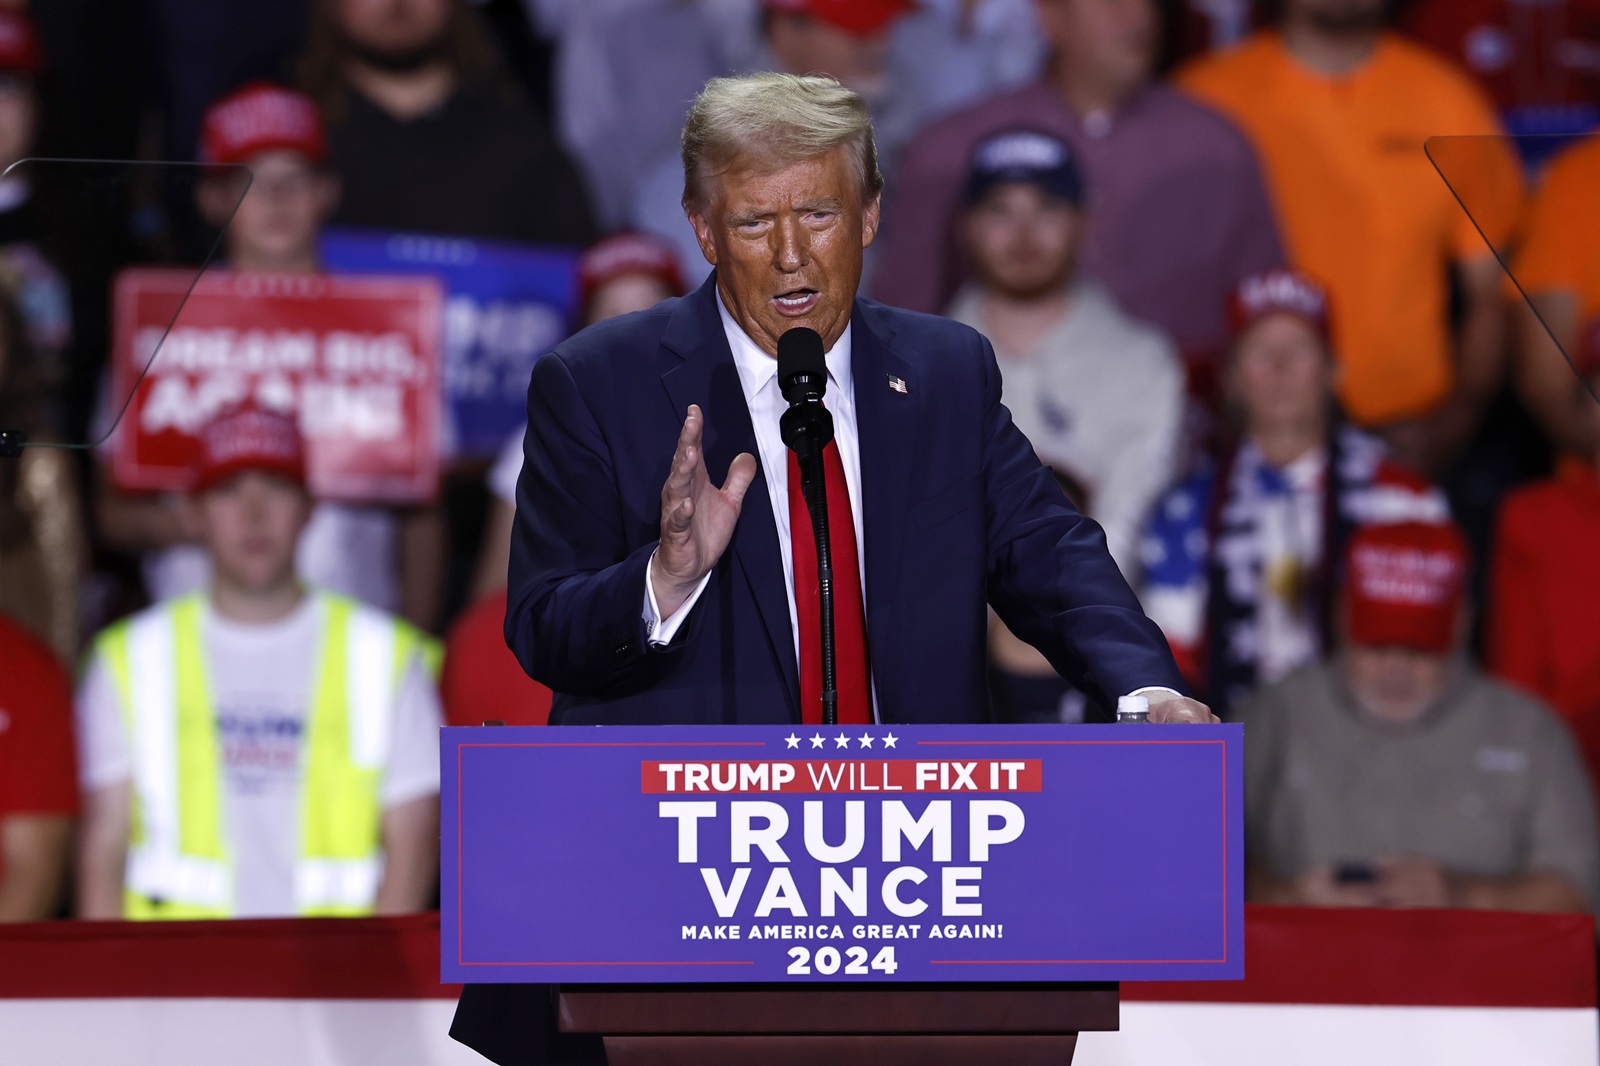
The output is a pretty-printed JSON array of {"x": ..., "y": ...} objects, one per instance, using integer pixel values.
[
  {"x": 876, "y": 853},
  {"x": 355, "y": 357},
  {"x": 507, "y": 304}
]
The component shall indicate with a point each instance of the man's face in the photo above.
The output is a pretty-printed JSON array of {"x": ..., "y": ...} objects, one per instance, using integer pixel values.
[
  {"x": 251, "y": 524},
  {"x": 1338, "y": 16},
  {"x": 281, "y": 213},
  {"x": 1393, "y": 684},
  {"x": 1114, "y": 41},
  {"x": 18, "y": 118},
  {"x": 1023, "y": 241},
  {"x": 1280, "y": 374},
  {"x": 397, "y": 31},
  {"x": 787, "y": 244},
  {"x": 804, "y": 45}
]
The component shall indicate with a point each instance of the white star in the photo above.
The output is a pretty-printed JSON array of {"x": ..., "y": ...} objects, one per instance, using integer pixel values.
[
  {"x": 841, "y": 741},
  {"x": 866, "y": 741},
  {"x": 889, "y": 740},
  {"x": 816, "y": 740},
  {"x": 792, "y": 740}
]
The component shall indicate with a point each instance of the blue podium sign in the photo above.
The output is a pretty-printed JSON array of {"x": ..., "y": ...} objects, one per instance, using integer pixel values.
[{"x": 876, "y": 853}]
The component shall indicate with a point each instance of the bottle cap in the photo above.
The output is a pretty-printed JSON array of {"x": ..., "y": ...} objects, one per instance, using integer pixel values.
[{"x": 1132, "y": 705}]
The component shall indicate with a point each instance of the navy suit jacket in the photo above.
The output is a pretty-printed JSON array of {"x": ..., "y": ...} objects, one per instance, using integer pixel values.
[{"x": 958, "y": 514}]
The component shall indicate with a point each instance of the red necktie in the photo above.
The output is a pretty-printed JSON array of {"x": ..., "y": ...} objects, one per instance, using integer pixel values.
[{"x": 849, "y": 618}]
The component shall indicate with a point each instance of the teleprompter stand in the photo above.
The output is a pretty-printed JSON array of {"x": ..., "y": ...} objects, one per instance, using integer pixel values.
[{"x": 843, "y": 1025}]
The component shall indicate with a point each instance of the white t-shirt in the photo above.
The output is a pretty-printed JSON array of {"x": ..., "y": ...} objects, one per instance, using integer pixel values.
[{"x": 261, "y": 678}]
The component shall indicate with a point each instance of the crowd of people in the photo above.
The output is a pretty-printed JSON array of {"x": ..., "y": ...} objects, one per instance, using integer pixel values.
[{"x": 1256, "y": 333}]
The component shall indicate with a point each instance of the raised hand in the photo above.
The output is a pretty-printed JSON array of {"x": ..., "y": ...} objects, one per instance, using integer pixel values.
[{"x": 697, "y": 517}]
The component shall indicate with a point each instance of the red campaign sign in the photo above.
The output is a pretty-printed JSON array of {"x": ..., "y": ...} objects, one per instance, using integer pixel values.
[
  {"x": 845, "y": 775},
  {"x": 356, "y": 357}
]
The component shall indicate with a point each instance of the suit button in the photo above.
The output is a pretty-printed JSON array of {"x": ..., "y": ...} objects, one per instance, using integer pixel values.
[{"x": 624, "y": 649}]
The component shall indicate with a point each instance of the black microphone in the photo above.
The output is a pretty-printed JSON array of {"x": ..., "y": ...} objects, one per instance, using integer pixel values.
[
  {"x": 803, "y": 377},
  {"x": 807, "y": 427}
]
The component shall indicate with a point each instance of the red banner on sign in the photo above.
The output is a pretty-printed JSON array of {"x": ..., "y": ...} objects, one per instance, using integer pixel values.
[
  {"x": 356, "y": 357},
  {"x": 848, "y": 775}
]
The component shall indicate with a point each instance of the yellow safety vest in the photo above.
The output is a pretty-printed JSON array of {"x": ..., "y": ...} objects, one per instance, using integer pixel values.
[{"x": 179, "y": 858}]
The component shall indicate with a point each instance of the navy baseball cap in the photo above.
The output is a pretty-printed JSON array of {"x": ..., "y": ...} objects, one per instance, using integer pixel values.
[{"x": 1028, "y": 156}]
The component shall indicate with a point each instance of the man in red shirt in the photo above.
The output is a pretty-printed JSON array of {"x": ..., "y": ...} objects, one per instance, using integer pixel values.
[
  {"x": 482, "y": 681},
  {"x": 1544, "y": 596},
  {"x": 38, "y": 776}
]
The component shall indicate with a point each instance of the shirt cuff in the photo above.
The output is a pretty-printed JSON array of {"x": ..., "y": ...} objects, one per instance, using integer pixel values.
[
  {"x": 1148, "y": 689},
  {"x": 661, "y": 630}
]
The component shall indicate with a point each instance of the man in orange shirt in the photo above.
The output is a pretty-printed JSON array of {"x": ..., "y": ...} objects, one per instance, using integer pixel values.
[
  {"x": 1558, "y": 267},
  {"x": 1339, "y": 109}
]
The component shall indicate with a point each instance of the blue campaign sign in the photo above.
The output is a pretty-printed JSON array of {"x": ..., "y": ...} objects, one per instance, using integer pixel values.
[
  {"x": 904, "y": 853},
  {"x": 506, "y": 304}
]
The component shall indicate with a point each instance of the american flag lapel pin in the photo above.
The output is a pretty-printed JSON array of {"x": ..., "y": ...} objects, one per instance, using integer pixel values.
[{"x": 898, "y": 385}]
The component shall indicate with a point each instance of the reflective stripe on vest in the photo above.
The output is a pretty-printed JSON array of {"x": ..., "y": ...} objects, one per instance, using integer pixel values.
[{"x": 178, "y": 860}]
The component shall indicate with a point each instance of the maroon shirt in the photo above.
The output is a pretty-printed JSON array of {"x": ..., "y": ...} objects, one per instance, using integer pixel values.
[{"x": 1177, "y": 208}]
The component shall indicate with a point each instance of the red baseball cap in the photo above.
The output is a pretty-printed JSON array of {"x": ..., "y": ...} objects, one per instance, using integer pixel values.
[
  {"x": 860, "y": 17},
  {"x": 258, "y": 118},
  {"x": 19, "y": 44},
  {"x": 1278, "y": 291},
  {"x": 1404, "y": 585},
  {"x": 621, "y": 254},
  {"x": 246, "y": 437}
]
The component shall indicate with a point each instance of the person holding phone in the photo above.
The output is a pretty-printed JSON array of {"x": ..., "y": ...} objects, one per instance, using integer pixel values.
[{"x": 1397, "y": 774}]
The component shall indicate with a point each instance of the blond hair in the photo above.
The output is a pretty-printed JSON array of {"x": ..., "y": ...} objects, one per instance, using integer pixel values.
[{"x": 773, "y": 121}]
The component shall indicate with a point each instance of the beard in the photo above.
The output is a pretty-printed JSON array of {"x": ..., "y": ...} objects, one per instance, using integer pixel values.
[
  {"x": 1348, "y": 16},
  {"x": 400, "y": 60}
]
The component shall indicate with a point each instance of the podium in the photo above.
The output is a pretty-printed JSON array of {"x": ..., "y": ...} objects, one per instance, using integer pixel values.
[
  {"x": 843, "y": 1025},
  {"x": 873, "y": 894}
]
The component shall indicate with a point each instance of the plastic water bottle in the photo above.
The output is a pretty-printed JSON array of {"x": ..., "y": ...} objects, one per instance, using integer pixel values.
[{"x": 1133, "y": 709}]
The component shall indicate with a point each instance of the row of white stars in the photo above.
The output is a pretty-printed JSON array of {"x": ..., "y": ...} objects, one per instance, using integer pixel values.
[{"x": 841, "y": 741}]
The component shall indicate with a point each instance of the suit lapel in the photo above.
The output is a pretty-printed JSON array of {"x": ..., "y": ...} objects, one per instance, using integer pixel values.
[
  {"x": 886, "y": 421},
  {"x": 705, "y": 374}
]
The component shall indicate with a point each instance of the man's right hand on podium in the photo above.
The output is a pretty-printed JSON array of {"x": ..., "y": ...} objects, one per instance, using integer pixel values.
[{"x": 697, "y": 517}]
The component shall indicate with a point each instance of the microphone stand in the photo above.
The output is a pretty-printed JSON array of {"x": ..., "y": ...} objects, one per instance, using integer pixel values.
[{"x": 811, "y": 427}]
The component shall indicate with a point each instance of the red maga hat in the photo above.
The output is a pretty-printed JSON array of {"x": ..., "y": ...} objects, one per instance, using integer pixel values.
[
  {"x": 1278, "y": 291},
  {"x": 860, "y": 17},
  {"x": 19, "y": 44},
  {"x": 261, "y": 117},
  {"x": 246, "y": 437},
  {"x": 1404, "y": 585},
  {"x": 621, "y": 254}
]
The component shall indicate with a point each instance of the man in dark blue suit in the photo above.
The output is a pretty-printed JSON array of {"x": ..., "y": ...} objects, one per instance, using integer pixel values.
[{"x": 642, "y": 592}]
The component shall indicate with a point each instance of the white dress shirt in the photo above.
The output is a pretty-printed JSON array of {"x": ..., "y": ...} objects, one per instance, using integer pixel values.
[{"x": 758, "y": 377}]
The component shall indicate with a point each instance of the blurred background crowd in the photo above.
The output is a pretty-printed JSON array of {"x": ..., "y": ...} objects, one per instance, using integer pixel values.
[{"x": 1259, "y": 332}]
